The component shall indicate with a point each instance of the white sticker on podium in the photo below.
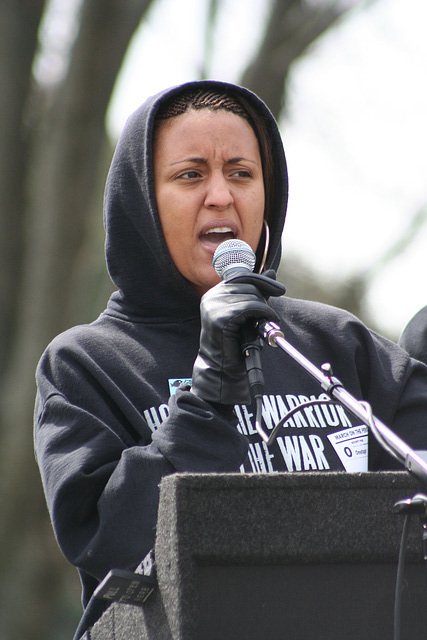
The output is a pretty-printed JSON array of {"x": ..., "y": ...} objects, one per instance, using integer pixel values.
[{"x": 351, "y": 446}]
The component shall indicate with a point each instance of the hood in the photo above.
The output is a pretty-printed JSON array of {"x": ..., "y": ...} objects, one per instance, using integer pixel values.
[{"x": 150, "y": 287}]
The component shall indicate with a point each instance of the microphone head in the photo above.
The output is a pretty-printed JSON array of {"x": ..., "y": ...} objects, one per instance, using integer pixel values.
[{"x": 233, "y": 255}]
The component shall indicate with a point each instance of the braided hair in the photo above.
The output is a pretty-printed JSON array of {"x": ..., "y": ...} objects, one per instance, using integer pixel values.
[
  {"x": 199, "y": 99},
  {"x": 215, "y": 99}
]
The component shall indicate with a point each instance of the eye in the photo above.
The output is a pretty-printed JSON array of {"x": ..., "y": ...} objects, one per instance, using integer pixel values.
[
  {"x": 242, "y": 173},
  {"x": 189, "y": 175}
]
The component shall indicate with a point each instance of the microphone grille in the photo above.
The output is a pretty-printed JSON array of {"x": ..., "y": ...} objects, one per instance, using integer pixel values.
[{"x": 233, "y": 254}]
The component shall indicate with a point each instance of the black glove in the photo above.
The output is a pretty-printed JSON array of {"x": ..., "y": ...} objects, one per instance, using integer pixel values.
[{"x": 219, "y": 373}]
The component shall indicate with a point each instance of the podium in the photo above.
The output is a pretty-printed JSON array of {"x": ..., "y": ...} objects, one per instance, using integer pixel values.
[{"x": 298, "y": 556}]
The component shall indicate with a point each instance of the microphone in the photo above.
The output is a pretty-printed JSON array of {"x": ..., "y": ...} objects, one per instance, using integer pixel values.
[{"x": 230, "y": 258}]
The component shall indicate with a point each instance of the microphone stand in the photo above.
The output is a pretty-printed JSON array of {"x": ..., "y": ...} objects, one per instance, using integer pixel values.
[
  {"x": 386, "y": 437},
  {"x": 334, "y": 389}
]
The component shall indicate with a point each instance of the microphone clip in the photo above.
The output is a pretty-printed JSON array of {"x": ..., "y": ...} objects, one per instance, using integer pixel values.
[{"x": 252, "y": 345}]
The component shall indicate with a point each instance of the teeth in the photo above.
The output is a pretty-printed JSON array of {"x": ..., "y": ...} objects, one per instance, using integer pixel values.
[{"x": 219, "y": 230}]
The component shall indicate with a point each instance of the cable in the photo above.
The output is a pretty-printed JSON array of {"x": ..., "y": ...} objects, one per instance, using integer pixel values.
[
  {"x": 258, "y": 419},
  {"x": 299, "y": 407},
  {"x": 399, "y": 580}
]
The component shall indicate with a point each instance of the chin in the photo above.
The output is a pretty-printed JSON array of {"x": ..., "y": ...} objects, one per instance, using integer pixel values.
[{"x": 203, "y": 286}]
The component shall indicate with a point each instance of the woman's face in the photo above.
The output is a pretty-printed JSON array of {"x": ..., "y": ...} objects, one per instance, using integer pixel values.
[{"x": 209, "y": 188}]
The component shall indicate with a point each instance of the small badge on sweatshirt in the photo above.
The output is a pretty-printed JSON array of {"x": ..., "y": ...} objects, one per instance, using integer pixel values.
[
  {"x": 351, "y": 446},
  {"x": 174, "y": 383}
]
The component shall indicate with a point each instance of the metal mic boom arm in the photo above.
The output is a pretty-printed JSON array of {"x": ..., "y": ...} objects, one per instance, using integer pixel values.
[{"x": 332, "y": 386}]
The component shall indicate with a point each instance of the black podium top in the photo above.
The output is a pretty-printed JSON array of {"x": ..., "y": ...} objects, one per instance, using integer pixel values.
[{"x": 303, "y": 555}]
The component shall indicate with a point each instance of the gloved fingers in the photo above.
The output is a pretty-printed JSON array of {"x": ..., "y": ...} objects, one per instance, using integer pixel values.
[
  {"x": 230, "y": 303},
  {"x": 252, "y": 310},
  {"x": 266, "y": 282},
  {"x": 219, "y": 373}
]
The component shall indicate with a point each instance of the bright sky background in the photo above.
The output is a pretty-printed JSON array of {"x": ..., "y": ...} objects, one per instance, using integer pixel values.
[{"x": 355, "y": 136}]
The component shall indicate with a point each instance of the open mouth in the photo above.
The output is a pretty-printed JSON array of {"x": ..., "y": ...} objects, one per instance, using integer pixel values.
[{"x": 216, "y": 235}]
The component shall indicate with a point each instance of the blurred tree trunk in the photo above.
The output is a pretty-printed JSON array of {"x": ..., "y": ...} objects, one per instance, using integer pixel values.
[
  {"x": 19, "y": 24},
  {"x": 53, "y": 155},
  {"x": 292, "y": 27},
  {"x": 51, "y": 143}
]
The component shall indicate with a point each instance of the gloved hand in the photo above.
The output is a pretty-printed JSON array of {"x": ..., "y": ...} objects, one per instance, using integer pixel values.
[{"x": 219, "y": 373}]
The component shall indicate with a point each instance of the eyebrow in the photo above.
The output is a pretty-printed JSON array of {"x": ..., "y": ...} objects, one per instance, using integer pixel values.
[{"x": 197, "y": 160}]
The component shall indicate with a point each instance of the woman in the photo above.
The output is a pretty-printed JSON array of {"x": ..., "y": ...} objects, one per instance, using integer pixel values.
[
  {"x": 414, "y": 336},
  {"x": 196, "y": 165}
]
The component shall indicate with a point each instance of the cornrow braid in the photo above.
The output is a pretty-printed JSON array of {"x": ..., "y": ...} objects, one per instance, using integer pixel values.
[{"x": 199, "y": 99}]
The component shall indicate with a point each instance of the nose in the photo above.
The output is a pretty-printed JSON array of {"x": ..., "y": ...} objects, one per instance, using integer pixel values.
[{"x": 218, "y": 192}]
